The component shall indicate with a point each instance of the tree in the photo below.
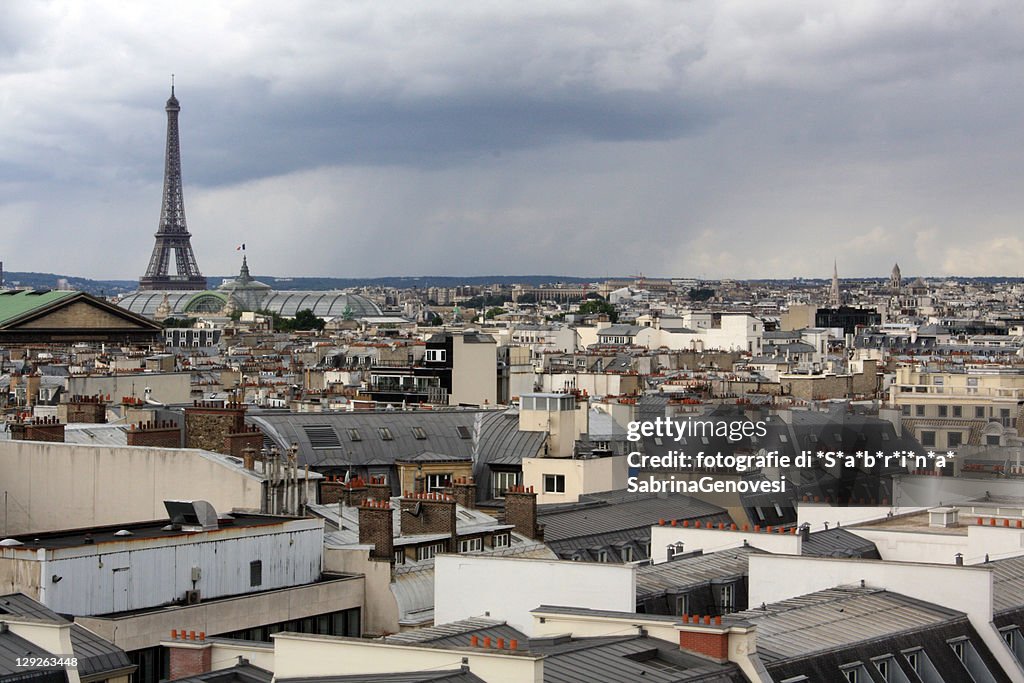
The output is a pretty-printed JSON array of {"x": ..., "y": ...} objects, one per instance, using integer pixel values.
[
  {"x": 493, "y": 312},
  {"x": 306, "y": 320},
  {"x": 178, "y": 322},
  {"x": 702, "y": 294},
  {"x": 595, "y": 307}
]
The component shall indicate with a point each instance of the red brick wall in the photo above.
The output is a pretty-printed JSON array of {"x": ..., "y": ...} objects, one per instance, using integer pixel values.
[
  {"x": 38, "y": 429},
  {"x": 437, "y": 516},
  {"x": 235, "y": 444},
  {"x": 709, "y": 643},
  {"x": 189, "y": 661},
  {"x": 164, "y": 434},
  {"x": 376, "y": 528},
  {"x": 521, "y": 511}
]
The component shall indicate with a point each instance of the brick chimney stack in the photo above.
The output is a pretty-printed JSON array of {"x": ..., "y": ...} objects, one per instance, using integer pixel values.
[
  {"x": 521, "y": 512},
  {"x": 464, "y": 492},
  {"x": 83, "y": 410},
  {"x": 378, "y": 488},
  {"x": 37, "y": 429},
  {"x": 155, "y": 433},
  {"x": 208, "y": 424},
  {"x": 430, "y": 513},
  {"x": 377, "y": 528},
  {"x": 235, "y": 443},
  {"x": 189, "y": 654}
]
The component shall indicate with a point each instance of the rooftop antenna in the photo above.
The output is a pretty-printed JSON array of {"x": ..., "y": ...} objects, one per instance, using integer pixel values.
[{"x": 172, "y": 85}]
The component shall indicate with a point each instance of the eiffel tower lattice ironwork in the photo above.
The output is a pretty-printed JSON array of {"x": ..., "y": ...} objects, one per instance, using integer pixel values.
[{"x": 173, "y": 234}]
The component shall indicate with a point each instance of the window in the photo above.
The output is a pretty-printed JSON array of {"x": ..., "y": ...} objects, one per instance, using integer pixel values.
[
  {"x": 436, "y": 355},
  {"x": 353, "y": 435},
  {"x": 979, "y": 411},
  {"x": 958, "y": 411},
  {"x": 728, "y": 598},
  {"x": 426, "y": 552},
  {"x": 850, "y": 675},
  {"x": 256, "y": 573},
  {"x": 501, "y": 540},
  {"x": 972, "y": 381},
  {"x": 906, "y": 410},
  {"x": 418, "y": 433},
  {"x": 385, "y": 433},
  {"x": 884, "y": 665},
  {"x": 439, "y": 482},
  {"x": 682, "y": 605},
  {"x": 463, "y": 432},
  {"x": 943, "y": 411},
  {"x": 958, "y": 649},
  {"x": 954, "y": 439},
  {"x": 627, "y": 553},
  {"x": 602, "y": 555},
  {"x": 913, "y": 660},
  {"x": 992, "y": 440},
  {"x": 471, "y": 545},
  {"x": 928, "y": 438},
  {"x": 919, "y": 411},
  {"x": 554, "y": 483},
  {"x": 503, "y": 481},
  {"x": 399, "y": 557}
]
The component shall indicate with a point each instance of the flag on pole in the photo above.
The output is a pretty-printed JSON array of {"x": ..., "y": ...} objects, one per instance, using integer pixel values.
[{"x": 240, "y": 247}]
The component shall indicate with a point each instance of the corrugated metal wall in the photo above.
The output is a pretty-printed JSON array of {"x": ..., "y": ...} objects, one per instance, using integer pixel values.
[{"x": 161, "y": 575}]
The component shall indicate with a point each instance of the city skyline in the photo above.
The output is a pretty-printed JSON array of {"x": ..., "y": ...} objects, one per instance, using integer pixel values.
[{"x": 709, "y": 140}]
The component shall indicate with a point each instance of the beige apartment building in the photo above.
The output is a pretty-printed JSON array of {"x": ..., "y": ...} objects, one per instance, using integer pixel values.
[{"x": 947, "y": 408}]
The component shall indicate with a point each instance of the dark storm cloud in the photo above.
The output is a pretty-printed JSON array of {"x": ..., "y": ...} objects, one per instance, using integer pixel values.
[
  {"x": 278, "y": 136},
  {"x": 702, "y": 138}
]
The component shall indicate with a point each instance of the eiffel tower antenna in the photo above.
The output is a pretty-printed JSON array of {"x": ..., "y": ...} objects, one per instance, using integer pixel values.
[{"x": 172, "y": 234}]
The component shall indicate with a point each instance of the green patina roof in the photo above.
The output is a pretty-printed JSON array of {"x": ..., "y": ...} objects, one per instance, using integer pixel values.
[{"x": 15, "y": 303}]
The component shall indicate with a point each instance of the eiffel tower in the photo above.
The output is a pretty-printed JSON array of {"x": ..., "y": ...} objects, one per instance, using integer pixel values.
[{"x": 172, "y": 234}]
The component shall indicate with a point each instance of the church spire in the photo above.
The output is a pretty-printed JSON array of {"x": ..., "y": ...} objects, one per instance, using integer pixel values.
[{"x": 834, "y": 291}]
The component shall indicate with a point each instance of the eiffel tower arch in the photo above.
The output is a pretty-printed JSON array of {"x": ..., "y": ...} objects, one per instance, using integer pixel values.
[{"x": 173, "y": 234}]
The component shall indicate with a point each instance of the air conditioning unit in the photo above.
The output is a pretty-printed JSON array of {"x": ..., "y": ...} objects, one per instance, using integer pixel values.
[{"x": 192, "y": 597}]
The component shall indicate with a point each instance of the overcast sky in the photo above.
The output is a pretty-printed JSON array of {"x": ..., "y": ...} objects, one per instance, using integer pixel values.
[{"x": 714, "y": 139}]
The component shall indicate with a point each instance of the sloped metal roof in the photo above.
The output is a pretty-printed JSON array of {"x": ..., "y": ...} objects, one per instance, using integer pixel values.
[
  {"x": 837, "y": 618},
  {"x": 680, "y": 575},
  {"x": 1007, "y": 584},
  {"x": 458, "y": 633},
  {"x": 95, "y": 655},
  {"x": 361, "y": 445}
]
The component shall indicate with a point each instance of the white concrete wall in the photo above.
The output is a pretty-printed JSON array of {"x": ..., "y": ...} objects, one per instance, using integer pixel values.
[
  {"x": 923, "y": 546},
  {"x": 139, "y": 630},
  {"x": 302, "y": 656},
  {"x": 508, "y": 588},
  {"x": 89, "y": 483},
  {"x": 816, "y": 514},
  {"x": 966, "y": 589},
  {"x": 710, "y": 540},
  {"x": 168, "y": 387},
  {"x": 582, "y": 476}
]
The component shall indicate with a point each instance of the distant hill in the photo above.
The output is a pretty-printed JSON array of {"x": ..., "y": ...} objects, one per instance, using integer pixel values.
[{"x": 115, "y": 287}]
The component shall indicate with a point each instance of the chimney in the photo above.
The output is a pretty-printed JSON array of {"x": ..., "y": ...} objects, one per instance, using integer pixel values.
[
  {"x": 208, "y": 424},
  {"x": 464, "y": 492},
  {"x": 235, "y": 443},
  {"x": 155, "y": 433},
  {"x": 705, "y": 636},
  {"x": 249, "y": 458},
  {"x": 430, "y": 513},
  {"x": 83, "y": 410},
  {"x": 378, "y": 488},
  {"x": 377, "y": 528},
  {"x": 37, "y": 429},
  {"x": 805, "y": 532},
  {"x": 521, "y": 512},
  {"x": 189, "y": 654}
]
